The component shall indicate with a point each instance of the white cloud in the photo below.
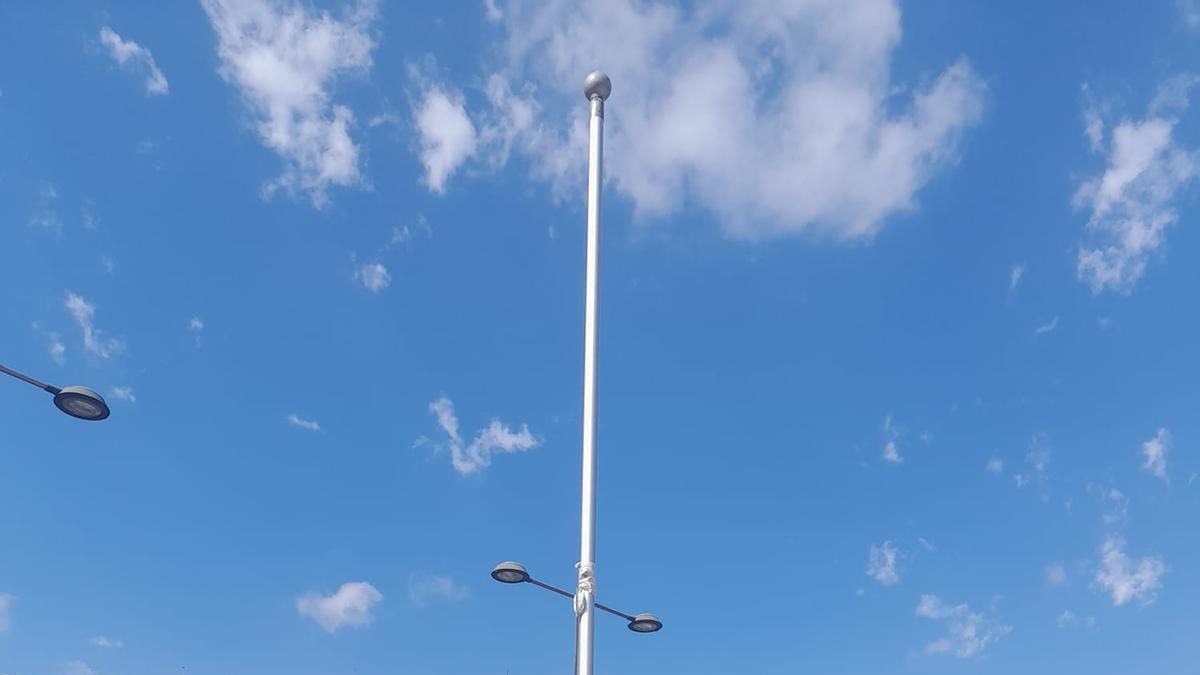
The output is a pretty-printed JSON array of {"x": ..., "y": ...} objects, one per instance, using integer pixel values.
[
  {"x": 374, "y": 277},
  {"x": 101, "y": 641},
  {"x": 446, "y": 133},
  {"x": 477, "y": 455},
  {"x": 77, "y": 668},
  {"x": 778, "y": 117},
  {"x": 295, "y": 421},
  {"x": 1014, "y": 277},
  {"x": 1056, "y": 575},
  {"x": 1125, "y": 579},
  {"x": 1037, "y": 461},
  {"x": 1131, "y": 203},
  {"x": 350, "y": 606},
  {"x": 196, "y": 326},
  {"x": 283, "y": 57},
  {"x": 1189, "y": 10},
  {"x": 891, "y": 452},
  {"x": 995, "y": 466},
  {"x": 94, "y": 340},
  {"x": 967, "y": 633},
  {"x": 135, "y": 57},
  {"x": 1155, "y": 451},
  {"x": 108, "y": 264},
  {"x": 54, "y": 345},
  {"x": 1047, "y": 327},
  {"x": 1068, "y": 618},
  {"x": 6, "y": 604},
  {"x": 1115, "y": 506},
  {"x": 123, "y": 394},
  {"x": 881, "y": 564},
  {"x": 46, "y": 217},
  {"x": 492, "y": 10},
  {"x": 90, "y": 221},
  {"x": 426, "y": 588}
]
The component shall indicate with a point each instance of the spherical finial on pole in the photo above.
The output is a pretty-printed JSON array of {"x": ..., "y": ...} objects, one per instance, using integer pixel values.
[{"x": 597, "y": 84}]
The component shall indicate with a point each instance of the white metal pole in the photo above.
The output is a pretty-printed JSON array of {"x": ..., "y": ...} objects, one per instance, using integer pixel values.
[{"x": 596, "y": 87}]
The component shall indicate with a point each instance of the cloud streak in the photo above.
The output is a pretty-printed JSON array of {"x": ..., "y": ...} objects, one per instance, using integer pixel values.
[
  {"x": 881, "y": 564},
  {"x": 968, "y": 633},
  {"x": 135, "y": 58},
  {"x": 296, "y": 421},
  {"x": 473, "y": 457},
  {"x": 94, "y": 340}
]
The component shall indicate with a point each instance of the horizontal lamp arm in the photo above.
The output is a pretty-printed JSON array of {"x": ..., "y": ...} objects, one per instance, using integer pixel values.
[{"x": 565, "y": 594}]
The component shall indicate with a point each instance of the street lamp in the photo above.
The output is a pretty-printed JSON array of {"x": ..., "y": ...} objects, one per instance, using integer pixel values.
[
  {"x": 79, "y": 402},
  {"x": 596, "y": 87},
  {"x": 513, "y": 573}
]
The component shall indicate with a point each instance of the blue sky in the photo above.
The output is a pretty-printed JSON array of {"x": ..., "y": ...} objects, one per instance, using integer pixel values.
[{"x": 897, "y": 335}]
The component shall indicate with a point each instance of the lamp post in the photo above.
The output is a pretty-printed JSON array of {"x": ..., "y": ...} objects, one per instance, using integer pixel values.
[
  {"x": 78, "y": 402},
  {"x": 597, "y": 88}
]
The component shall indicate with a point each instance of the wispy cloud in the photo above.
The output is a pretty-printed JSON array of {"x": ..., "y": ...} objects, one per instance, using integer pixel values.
[
  {"x": 296, "y": 421},
  {"x": 107, "y": 643},
  {"x": 1014, "y": 276},
  {"x": 1125, "y": 579},
  {"x": 496, "y": 437},
  {"x": 1037, "y": 463},
  {"x": 1047, "y": 327},
  {"x": 77, "y": 668},
  {"x": 968, "y": 633},
  {"x": 1069, "y": 618},
  {"x": 349, "y": 607},
  {"x": 492, "y": 11},
  {"x": 196, "y": 328},
  {"x": 136, "y": 58},
  {"x": 1155, "y": 453},
  {"x": 891, "y": 451},
  {"x": 1056, "y": 574},
  {"x": 94, "y": 340},
  {"x": 46, "y": 214},
  {"x": 123, "y": 394},
  {"x": 284, "y": 58},
  {"x": 881, "y": 564},
  {"x": 1131, "y": 203},
  {"x": 994, "y": 466},
  {"x": 54, "y": 345},
  {"x": 426, "y": 588},
  {"x": 6, "y": 605},
  {"x": 374, "y": 277}
]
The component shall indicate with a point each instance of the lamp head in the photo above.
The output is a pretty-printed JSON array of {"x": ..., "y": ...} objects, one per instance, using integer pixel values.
[
  {"x": 510, "y": 573},
  {"x": 645, "y": 623},
  {"x": 82, "y": 403}
]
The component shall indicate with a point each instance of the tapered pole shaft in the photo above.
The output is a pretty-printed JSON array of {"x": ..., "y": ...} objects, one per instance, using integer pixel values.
[{"x": 597, "y": 88}]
